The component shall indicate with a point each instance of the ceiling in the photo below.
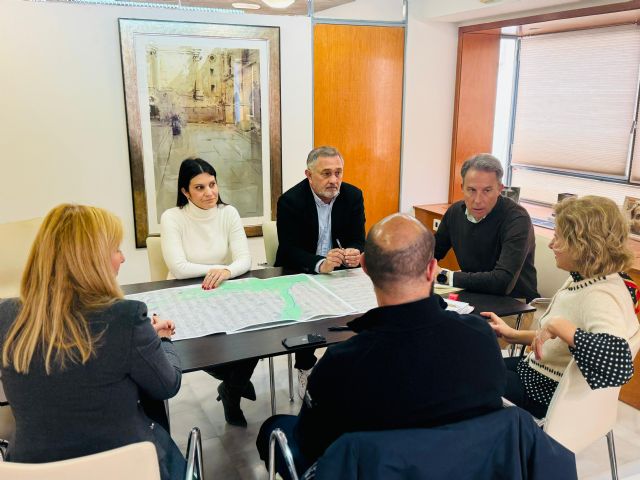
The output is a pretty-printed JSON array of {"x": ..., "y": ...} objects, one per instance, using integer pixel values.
[
  {"x": 464, "y": 11},
  {"x": 299, "y": 7}
]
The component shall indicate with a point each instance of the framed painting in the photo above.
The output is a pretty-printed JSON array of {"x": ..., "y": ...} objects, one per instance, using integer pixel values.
[
  {"x": 208, "y": 91},
  {"x": 631, "y": 210}
]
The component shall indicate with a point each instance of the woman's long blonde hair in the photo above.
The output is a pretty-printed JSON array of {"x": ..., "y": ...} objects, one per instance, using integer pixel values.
[
  {"x": 595, "y": 232},
  {"x": 68, "y": 273}
]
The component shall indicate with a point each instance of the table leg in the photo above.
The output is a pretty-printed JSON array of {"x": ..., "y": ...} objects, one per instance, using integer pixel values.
[
  {"x": 273, "y": 387},
  {"x": 512, "y": 351},
  {"x": 290, "y": 362}
]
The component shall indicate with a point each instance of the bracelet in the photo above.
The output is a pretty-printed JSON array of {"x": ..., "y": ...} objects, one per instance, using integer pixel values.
[{"x": 166, "y": 339}]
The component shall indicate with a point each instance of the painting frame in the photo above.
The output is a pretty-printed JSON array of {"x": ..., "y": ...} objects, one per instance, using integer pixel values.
[
  {"x": 133, "y": 29},
  {"x": 631, "y": 211}
]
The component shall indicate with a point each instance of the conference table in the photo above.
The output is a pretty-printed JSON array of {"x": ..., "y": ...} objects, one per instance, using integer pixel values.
[{"x": 219, "y": 349}]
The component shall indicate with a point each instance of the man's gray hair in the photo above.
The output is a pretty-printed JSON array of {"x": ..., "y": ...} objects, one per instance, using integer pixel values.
[
  {"x": 484, "y": 162},
  {"x": 387, "y": 266},
  {"x": 324, "y": 151}
]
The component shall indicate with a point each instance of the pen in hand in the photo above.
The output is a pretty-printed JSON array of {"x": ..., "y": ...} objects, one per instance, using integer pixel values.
[{"x": 344, "y": 262}]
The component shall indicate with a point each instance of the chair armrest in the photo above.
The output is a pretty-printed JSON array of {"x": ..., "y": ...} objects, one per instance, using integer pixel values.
[
  {"x": 278, "y": 435},
  {"x": 195, "y": 470},
  {"x": 541, "y": 301}
]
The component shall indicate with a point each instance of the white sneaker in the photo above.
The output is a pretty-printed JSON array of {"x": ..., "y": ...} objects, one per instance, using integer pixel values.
[{"x": 303, "y": 375}]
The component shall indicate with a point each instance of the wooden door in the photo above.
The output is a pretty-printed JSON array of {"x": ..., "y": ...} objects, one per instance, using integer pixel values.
[{"x": 358, "y": 107}]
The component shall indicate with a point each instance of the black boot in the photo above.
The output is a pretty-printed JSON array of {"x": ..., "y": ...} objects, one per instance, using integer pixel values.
[
  {"x": 231, "y": 404},
  {"x": 249, "y": 392}
]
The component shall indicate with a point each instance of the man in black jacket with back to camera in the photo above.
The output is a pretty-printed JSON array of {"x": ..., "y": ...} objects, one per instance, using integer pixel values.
[{"x": 405, "y": 367}]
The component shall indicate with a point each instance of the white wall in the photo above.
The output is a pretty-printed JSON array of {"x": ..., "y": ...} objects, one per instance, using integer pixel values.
[
  {"x": 63, "y": 135},
  {"x": 372, "y": 10},
  {"x": 428, "y": 112}
]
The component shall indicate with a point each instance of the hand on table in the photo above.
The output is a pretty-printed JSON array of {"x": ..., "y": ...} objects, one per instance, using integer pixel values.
[
  {"x": 164, "y": 328},
  {"x": 335, "y": 258},
  {"x": 215, "y": 277},
  {"x": 500, "y": 327}
]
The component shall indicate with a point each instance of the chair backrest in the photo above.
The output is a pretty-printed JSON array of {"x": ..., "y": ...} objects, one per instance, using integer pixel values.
[
  {"x": 550, "y": 277},
  {"x": 270, "y": 237},
  {"x": 157, "y": 267},
  {"x": 138, "y": 460},
  {"x": 503, "y": 444},
  {"x": 15, "y": 242},
  {"x": 577, "y": 415}
]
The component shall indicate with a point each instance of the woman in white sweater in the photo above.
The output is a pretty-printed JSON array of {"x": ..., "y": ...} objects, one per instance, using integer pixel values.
[
  {"x": 204, "y": 237},
  {"x": 592, "y": 316}
]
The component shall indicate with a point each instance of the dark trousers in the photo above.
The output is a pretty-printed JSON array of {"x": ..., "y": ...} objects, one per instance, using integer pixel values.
[
  {"x": 236, "y": 375},
  {"x": 171, "y": 462},
  {"x": 305, "y": 359},
  {"x": 287, "y": 424},
  {"x": 516, "y": 392}
]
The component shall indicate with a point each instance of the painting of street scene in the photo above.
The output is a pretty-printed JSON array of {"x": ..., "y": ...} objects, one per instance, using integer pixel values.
[{"x": 206, "y": 103}]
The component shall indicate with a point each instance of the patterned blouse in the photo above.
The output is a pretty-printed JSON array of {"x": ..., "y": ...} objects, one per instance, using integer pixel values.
[{"x": 604, "y": 360}]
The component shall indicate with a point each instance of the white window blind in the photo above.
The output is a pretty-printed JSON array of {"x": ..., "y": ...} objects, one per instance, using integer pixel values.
[{"x": 576, "y": 100}]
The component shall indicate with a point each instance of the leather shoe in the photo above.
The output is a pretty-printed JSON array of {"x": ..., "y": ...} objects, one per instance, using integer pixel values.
[
  {"x": 232, "y": 411},
  {"x": 249, "y": 392}
]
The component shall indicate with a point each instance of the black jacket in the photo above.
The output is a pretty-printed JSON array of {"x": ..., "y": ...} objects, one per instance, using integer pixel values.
[
  {"x": 298, "y": 225},
  {"x": 411, "y": 365},
  {"x": 503, "y": 444}
]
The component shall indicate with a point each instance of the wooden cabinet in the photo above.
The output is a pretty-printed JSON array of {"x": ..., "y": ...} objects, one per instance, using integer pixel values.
[{"x": 427, "y": 214}]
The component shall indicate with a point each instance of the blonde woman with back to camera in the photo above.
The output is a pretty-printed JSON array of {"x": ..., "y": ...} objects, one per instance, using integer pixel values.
[
  {"x": 76, "y": 356},
  {"x": 591, "y": 318}
]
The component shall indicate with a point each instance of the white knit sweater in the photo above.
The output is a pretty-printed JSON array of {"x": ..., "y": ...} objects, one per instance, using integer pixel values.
[
  {"x": 595, "y": 305},
  {"x": 196, "y": 240}
]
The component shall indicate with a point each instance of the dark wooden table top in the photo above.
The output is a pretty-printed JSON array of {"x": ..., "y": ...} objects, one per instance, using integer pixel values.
[{"x": 219, "y": 349}]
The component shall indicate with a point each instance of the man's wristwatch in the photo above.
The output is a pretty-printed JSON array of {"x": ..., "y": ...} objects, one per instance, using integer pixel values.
[{"x": 443, "y": 277}]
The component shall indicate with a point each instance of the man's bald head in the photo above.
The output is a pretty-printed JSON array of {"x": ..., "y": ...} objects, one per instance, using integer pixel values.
[{"x": 398, "y": 249}]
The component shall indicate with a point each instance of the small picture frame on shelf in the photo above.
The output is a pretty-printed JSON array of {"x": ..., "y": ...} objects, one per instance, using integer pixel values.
[
  {"x": 512, "y": 192},
  {"x": 562, "y": 196},
  {"x": 631, "y": 210}
]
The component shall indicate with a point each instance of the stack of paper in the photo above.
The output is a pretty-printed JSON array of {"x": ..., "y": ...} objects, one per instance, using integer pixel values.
[{"x": 458, "y": 307}]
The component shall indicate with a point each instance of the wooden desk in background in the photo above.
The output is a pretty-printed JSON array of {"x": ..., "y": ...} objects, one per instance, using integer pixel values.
[{"x": 427, "y": 213}]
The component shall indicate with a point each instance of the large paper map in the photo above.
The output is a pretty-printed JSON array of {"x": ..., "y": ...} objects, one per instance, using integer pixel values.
[
  {"x": 239, "y": 304},
  {"x": 253, "y": 303}
]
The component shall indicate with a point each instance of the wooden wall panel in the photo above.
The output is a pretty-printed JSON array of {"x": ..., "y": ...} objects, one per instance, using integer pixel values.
[
  {"x": 358, "y": 74},
  {"x": 476, "y": 83}
]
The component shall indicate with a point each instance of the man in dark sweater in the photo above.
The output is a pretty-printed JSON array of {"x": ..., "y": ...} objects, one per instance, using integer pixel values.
[
  {"x": 491, "y": 235},
  {"x": 404, "y": 368}
]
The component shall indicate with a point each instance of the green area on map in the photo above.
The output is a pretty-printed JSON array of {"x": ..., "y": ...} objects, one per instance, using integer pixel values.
[{"x": 281, "y": 285}]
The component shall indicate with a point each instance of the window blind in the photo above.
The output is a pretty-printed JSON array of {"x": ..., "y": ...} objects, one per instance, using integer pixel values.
[{"x": 576, "y": 100}]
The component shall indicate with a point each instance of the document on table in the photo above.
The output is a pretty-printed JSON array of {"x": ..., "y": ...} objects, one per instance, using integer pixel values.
[
  {"x": 458, "y": 307},
  {"x": 239, "y": 304},
  {"x": 353, "y": 286}
]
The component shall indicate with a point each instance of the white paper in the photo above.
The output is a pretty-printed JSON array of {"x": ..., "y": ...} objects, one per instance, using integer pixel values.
[
  {"x": 353, "y": 286},
  {"x": 458, "y": 307}
]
